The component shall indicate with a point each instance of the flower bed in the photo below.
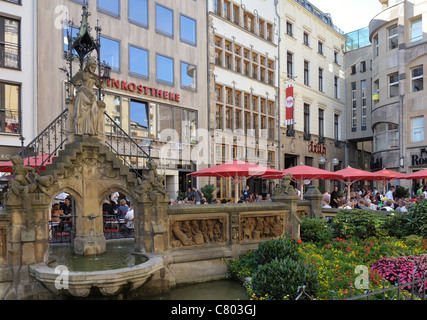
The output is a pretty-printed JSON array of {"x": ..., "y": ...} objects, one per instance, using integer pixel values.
[{"x": 336, "y": 263}]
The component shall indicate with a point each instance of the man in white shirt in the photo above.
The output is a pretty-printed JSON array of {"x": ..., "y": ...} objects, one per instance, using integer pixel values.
[
  {"x": 127, "y": 229},
  {"x": 389, "y": 194}
]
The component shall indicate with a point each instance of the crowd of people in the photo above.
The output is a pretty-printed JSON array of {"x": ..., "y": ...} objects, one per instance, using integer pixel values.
[
  {"x": 371, "y": 199},
  {"x": 196, "y": 196}
]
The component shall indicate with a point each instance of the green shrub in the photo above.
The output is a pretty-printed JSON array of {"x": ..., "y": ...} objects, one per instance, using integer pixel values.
[
  {"x": 280, "y": 279},
  {"x": 401, "y": 192},
  {"x": 276, "y": 249},
  {"x": 208, "y": 191},
  {"x": 415, "y": 220},
  {"x": 315, "y": 230},
  {"x": 360, "y": 224}
]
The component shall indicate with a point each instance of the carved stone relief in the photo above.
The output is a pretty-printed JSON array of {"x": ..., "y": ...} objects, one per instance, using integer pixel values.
[
  {"x": 260, "y": 227},
  {"x": 197, "y": 232}
]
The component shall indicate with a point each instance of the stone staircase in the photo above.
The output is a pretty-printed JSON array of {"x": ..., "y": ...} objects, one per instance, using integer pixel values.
[{"x": 68, "y": 155}]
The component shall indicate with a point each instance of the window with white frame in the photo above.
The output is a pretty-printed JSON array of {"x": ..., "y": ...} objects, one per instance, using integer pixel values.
[
  {"x": 336, "y": 87},
  {"x": 393, "y": 85},
  {"x": 306, "y": 73},
  {"x": 417, "y": 129},
  {"x": 364, "y": 107},
  {"x": 393, "y": 41},
  {"x": 321, "y": 80},
  {"x": 417, "y": 79},
  {"x": 353, "y": 106},
  {"x": 416, "y": 29},
  {"x": 386, "y": 136},
  {"x": 376, "y": 46}
]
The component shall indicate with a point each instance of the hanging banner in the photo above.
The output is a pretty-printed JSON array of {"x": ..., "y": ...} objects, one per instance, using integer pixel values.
[{"x": 289, "y": 103}]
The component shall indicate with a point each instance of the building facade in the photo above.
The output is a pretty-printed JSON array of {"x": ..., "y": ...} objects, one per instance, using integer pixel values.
[
  {"x": 157, "y": 91},
  {"x": 399, "y": 52},
  {"x": 18, "y": 85},
  {"x": 243, "y": 87},
  {"x": 312, "y": 58},
  {"x": 358, "y": 79}
]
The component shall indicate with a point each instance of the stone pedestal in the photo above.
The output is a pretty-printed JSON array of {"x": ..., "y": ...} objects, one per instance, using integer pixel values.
[
  {"x": 292, "y": 221},
  {"x": 315, "y": 197}
]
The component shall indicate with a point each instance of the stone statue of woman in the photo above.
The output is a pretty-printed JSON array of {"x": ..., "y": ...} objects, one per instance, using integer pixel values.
[{"x": 87, "y": 111}]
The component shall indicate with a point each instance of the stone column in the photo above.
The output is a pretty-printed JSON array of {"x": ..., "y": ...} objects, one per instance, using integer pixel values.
[
  {"x": 151, "y": 227},
  {"x": 315, "y": 197},
  {"x": 90, "y": 239},
  {"x": 292, "y": 222}
]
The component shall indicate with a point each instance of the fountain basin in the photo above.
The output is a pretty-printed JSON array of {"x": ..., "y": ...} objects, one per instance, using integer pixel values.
[{"x": 58, "y": 279}]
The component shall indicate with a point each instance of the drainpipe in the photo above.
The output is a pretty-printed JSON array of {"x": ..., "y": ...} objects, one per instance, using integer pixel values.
[{"x": 276, "y": 2}]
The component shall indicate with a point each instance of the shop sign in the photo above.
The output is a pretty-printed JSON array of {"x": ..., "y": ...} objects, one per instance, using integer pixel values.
[
  {"x": 318, "y": 148},
  {"x": 419, "y": 160},
  {"x": 140, "y": 89}
]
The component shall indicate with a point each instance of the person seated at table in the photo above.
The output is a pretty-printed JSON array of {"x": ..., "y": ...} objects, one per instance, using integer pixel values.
[
  {"x": 129, "y": 218},
  {"x": 56, "y": 212}
]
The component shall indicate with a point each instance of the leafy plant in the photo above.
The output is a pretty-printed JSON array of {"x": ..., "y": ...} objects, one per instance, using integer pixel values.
[
  {"x": 415, "y": 219},
  {"x": 315, "y": 230},
  {"x": 401, "y": 192},
  {"x": 281, "y": 248},
  {"x": 281, "y": 278},
  {"x": 208, "y": 191}
]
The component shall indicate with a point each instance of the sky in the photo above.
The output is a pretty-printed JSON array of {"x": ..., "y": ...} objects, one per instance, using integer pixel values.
[{"x": 349, "y": 15}]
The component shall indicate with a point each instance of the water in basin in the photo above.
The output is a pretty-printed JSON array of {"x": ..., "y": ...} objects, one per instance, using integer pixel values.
[{"x": 119, "y": 254}]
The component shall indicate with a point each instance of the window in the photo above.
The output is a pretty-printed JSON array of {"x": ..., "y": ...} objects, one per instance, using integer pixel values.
[
  {"x": 416, "y": 29},
  {"x": 393, "y": 40},
  {"x": 165, "y": 67},
  {"x": 306, "y": 39},
  {"x": 336, "y": 127},
  {"x": 248, "y": 22},
  {"x": 393, "y": 85},
  {"x": 353, "y": 106},
  {"x": 353, "y": 69},
  {"x": 110, "y": 53},
  {"x": 217, "y": 7},
  {"x": 269, "y": 32},
  {"x": 238, "y": 119},
  {"x": 306, "y": 121},
  {"x": 289, "y": 29},
  {"x": 417, "y": 129},
  {"x": 336, "y": 87},
  {"x": 320, "y": 48},
  {"x": 10, "y": 96},
  {"x": 138, "y": 12},
  {"x": 386, "y": 136},
  {"x": 109, "y": 6},
  {"x": 364, "y": 107},
  {"x": 376, "y": 46},
  {"x": 188, "y": 76},
  {"x": 228, "y": 118},
  {"x": 306, "y": 73},
  {"x": 321, "y": 124},
  {"x": 376, "y": 92},
  {"x": 363, "y": 66},
  {"x": 189, "y": 126},
  {"x": 138, "y": 115},
  {"x": 164, "y": 21},
  {"x": 188, "y": 30},
  {"x": 336, "y": 57},
  {"x": 321, "y": 80},
  {"x": 138, "y": 61},
  {"x": 290, "y": 65},
  {"x": 227, "y": 10},
  {"x": 236, "y": 14},
  {"x": 417, "y": 79},
  {"x": 10, "y": 46},
  {"x": 219, "y": 117}
]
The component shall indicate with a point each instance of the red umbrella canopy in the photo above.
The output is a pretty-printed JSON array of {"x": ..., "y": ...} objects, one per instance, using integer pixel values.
[
  {"x": 353, "y": 174},
  {"x": 422, "y": 174},
  {"x": 34, "y": 162},
  {"x": 236, "y": 168},
  {"x": 388, "y": 175},
  {"x": 302, "y": 172}
]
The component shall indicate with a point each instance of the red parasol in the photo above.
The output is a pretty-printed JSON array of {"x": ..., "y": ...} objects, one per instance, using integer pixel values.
[
  {"x": 303, "y": 172},
  {"x": 236, "y": 170},
  {"x": 34, "y": 162},
  {"x": 386, "y": 176},
  {"x": 351, "y": 175}
]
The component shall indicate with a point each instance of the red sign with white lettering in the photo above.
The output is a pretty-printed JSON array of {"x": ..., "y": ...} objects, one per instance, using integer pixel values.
[{"x": 148, "y": 91}]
